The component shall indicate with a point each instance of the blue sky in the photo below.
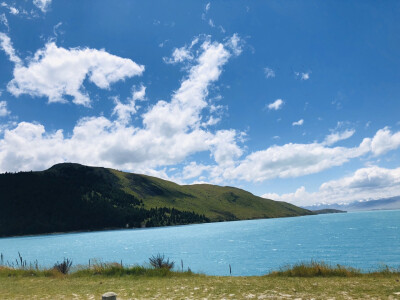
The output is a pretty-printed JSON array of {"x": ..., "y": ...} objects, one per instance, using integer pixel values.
[{"x": 292, "y": 100}]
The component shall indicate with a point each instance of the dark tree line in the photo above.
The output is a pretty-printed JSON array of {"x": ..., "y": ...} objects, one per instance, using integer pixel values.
[{"x": 72, "y": 197}]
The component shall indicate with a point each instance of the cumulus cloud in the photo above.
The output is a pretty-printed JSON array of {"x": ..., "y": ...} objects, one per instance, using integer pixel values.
[
  {"x": 182, "y": 54},
  {"x": 54, "y": 72},
  {"x": 124, "y": 111},
  {"x": 292, "y": 160},
  {"x": 183, "y": 112},
  {"x": 193, "y": 170},
  {"x": 269, "y": 73},
  {"x": 171, "y": 130},
  {"x": 179, "y": 55},
  {"x": 298, "y": 123},
  {"x": 43, "y": 5},
  {"x": 277, "y": 104},
  {"x": 3, "y": 109},
  {"x": 364, "y": 184},
  {"x": 384, "y": 141},
  {"x": 14, "y": 10}
]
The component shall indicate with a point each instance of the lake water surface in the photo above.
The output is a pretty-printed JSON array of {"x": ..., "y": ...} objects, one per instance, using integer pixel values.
[{"x": 364, "y": 240}]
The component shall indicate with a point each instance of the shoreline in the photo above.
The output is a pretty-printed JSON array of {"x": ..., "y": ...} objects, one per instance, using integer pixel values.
[
  {"x": 143, "y": 228},
  {"x": 179, "y": 225}
]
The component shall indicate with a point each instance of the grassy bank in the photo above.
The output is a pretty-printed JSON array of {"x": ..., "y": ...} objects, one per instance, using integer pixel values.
[{"x": 314, "y": 280}]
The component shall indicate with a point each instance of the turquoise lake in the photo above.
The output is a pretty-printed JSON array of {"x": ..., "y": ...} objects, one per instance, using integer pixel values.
[{"x": 365, "y": 240}]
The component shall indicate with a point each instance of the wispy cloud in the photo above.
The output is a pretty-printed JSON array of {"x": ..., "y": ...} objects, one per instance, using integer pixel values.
[
  {"x": 4, "y": 21},
  {"x": 302, "y": 75},
  {"x": 43, "y": 5},
  {"x": 124, "y": 111},
  {"x": 298, "y": 123},
  {"x": 7, "y": 47},
  {"x": 338, "y": 136},
  {"x": 269, "y": 73},
  {"x": 3, "y": 109}
]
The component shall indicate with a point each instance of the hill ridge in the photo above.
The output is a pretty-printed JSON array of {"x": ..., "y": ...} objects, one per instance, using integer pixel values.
[{"x": 71, "y": 196}]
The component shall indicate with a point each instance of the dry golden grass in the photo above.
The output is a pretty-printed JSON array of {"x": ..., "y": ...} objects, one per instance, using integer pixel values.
[
  {"x": 302, "y": 281},
  {"x": 201, "y": 287}
]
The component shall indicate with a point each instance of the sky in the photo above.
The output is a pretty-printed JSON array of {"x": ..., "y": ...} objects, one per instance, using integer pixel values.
[{"x": 295, "y": 101}]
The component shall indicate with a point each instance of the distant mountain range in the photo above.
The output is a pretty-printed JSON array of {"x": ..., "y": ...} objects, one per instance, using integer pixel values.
[
  {"x": 73, "y": 197},
  {"x": 380, "y": 204}
]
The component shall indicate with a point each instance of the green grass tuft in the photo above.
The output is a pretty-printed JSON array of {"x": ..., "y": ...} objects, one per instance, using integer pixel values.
[{"x": 322, "y": 269}]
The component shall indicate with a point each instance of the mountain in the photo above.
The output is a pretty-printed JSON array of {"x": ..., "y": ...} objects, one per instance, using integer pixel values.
[
  {"x": 380, "y": 204},
  {"x": 328, "y": 211},
  {"x": 70, "y": 197}
]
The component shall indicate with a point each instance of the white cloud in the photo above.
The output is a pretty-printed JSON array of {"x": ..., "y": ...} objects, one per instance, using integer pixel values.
[
  {"x": 277, "y": 104},
  {"x": 183, "y": 112},
  {"x": 43, "y": 5},
  {"x": 4, "y": 21},
  {"x": 179, "y": 55},
  {"x": 139, "y": 94},
  {"x": 338, "y": 136},
  {"x": 269, "y": 73},
  {"x": 6, "y": 45},
  {"x": 236, "y": 44},
  {"x": 365, "y": 184},
  {"x": 14, "y": 10},
  {"x": 193, "y": 170},
  {"x": 55, "y": 29},
  {"x": 182, "y": 54},
  {"x": 305, "y": 76},
  {"x": 171, "y": 130},
  {"x": 384, "y": 141},
  {"x": 54, "y": 72},
  {"x": 208, "y": 6},
  {"x": 224, "y": 148},
  {"x": 211, "y": 23},
  {"x": 3, "y": 109},
  {"x": 298, "y": 123},
  {"x": 302, "y": 75},
  {"x": 292, "y": 160},
  {"x": 124, "y": 111}
]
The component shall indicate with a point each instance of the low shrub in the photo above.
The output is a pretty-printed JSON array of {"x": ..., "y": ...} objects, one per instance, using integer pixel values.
[
  {"x": 159, "y": 262},
  {"x": 64, "y": 266}
]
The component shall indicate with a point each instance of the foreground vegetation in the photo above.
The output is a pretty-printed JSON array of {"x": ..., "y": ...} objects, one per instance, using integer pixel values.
[
  {"x": 73, "y": 197},
  {"x": 314, "y": 280}
]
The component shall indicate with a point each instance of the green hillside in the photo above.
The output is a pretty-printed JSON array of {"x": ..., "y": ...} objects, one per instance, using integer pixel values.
[{"x": 70, "y": 197}]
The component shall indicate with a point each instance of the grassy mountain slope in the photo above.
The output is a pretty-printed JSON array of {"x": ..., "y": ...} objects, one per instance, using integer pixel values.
[
  {"x": 74, "y": 197},
  {"x": 216, "y": 202}
]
